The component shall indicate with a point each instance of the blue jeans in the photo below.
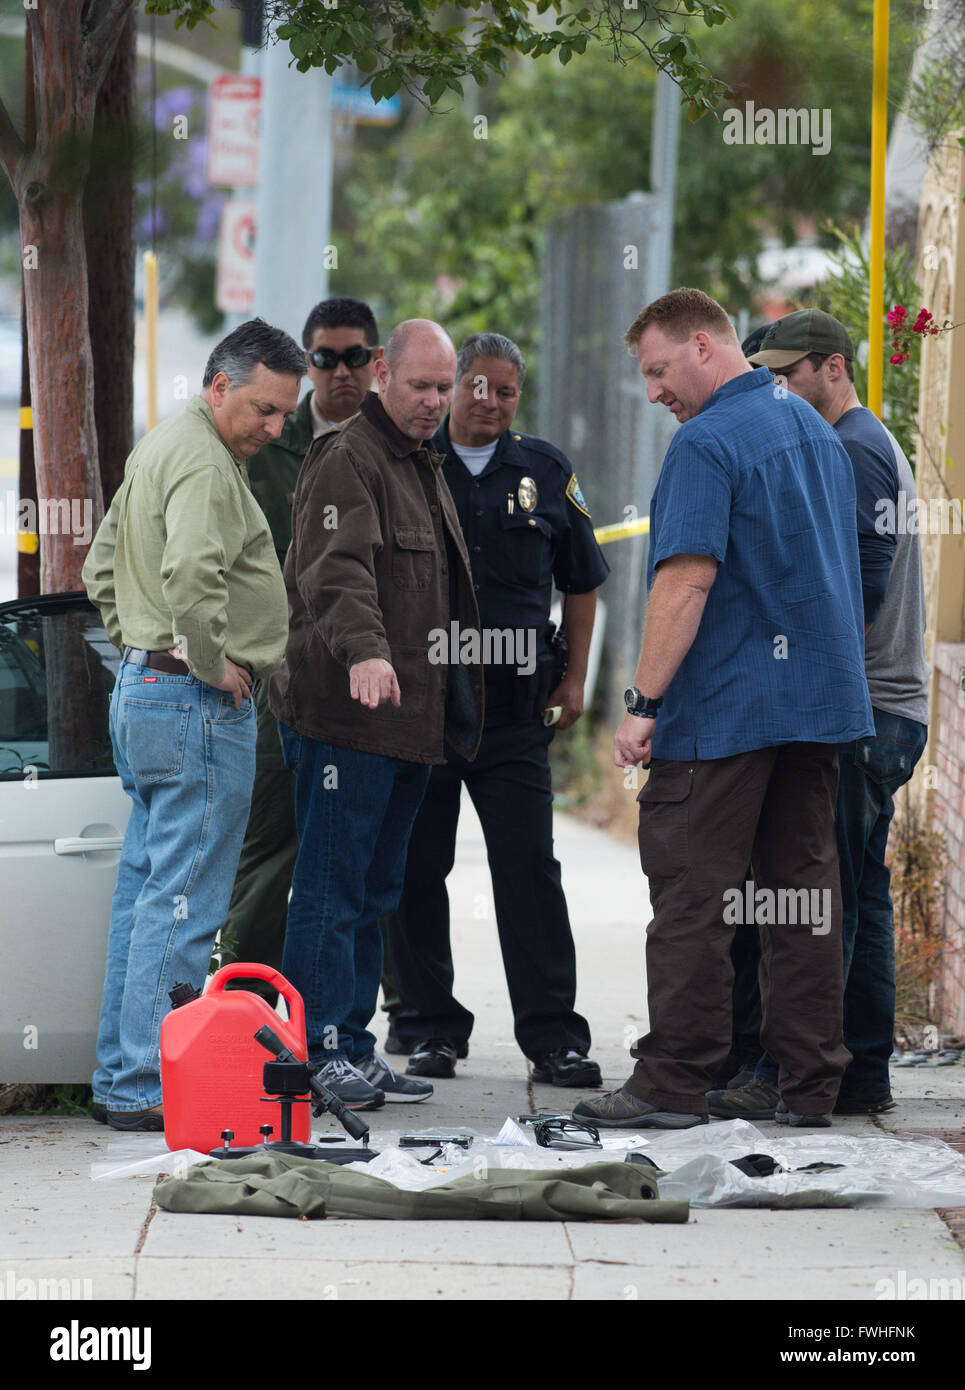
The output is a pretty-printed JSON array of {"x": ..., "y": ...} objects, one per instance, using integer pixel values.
[
  {"x": 872, "y": 770},
  {"x": 354, "y": 813},
  {"x": 186, "y": 758}
]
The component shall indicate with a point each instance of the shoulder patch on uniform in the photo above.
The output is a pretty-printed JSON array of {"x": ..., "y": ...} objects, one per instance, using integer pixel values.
[{"x": 575, "y": 493}]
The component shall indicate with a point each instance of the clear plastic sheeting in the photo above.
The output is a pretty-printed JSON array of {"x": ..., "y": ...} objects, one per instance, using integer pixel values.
[
  {"x": 877, "y": 1170},
  {"x": 142, "y": 1155}
]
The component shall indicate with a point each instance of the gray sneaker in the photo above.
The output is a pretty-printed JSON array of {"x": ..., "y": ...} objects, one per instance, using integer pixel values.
[
  {"x": 351, "y": 1087},
  {"x": 376, "y": 1070},
  {"x": 783, "y": 1116},
  {"x": 755, "y": 1101},
  {"x": 621, "y": 1110}
]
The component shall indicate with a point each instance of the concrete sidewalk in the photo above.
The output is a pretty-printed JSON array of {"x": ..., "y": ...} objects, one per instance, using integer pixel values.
[{"x": 59, "y": 1224}]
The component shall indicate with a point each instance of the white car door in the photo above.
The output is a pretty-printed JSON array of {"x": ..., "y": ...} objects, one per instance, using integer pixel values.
[{"x": 62, "y": 820}]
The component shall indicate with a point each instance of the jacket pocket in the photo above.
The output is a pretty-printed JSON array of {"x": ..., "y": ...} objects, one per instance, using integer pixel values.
[
  {"x": 412, "y": 557},
  {"x": 664, "y": 831},
  {"x": 411, "y": 666}
]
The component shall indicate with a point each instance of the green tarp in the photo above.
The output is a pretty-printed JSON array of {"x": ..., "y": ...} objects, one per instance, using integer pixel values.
[{"x": 283, "y": 1185}]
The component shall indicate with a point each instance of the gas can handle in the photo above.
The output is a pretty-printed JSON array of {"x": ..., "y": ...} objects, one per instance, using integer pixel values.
[{"x": 254, "y": 970}]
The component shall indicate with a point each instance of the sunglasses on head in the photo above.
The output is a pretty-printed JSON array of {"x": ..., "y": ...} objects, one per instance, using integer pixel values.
[{"x": 328, "y": 359}]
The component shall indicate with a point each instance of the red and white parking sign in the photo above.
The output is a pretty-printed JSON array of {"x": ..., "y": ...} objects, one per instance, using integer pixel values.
[
  {"x": 234, "y": 115},
  {"x": 235, "y": 286}
]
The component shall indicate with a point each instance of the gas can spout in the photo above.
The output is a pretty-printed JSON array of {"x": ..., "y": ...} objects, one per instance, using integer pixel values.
[{"x": 183, "y": 994}]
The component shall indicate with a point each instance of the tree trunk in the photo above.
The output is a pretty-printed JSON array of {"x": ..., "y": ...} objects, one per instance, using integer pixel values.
[
  {"x": 48, "y": 176},
  {"x": 61, "y": 372},
  {"x": 109, "y": 233},
  {"x": 28, "y": 560},
  {"x": 72, "y": 44}
]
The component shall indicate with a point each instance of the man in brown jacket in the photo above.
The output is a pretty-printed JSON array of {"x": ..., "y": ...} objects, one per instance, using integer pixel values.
[{"x": 377, "y": 561}]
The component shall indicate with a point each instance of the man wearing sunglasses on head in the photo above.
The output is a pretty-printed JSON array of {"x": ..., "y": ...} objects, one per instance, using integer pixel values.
[{"x": 341, "y": 341}]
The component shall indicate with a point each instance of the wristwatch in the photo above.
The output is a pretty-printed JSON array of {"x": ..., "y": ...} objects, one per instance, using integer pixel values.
[{"x": 646, "y": 706}]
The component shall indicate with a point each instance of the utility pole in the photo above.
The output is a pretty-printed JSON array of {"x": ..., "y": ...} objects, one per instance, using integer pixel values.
[
  {"x": 653, "y": 428},
  {"x": 293, "y": 250}
]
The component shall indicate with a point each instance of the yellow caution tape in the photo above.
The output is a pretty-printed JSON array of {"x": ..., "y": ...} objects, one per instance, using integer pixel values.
[
  {"x": 620, "y": 530},
  {"x": 26, "y": 417},
  {"x": 28, "y": 542}
]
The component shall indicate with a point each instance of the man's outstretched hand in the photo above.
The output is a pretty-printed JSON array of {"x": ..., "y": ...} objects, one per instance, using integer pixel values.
[{"x": 373, "y": 682}]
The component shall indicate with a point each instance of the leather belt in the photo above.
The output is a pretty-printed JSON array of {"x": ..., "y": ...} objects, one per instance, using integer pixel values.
[{"x": 157, "y": 661}]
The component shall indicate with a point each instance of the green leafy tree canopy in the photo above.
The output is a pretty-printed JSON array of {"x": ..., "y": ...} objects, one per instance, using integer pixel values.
[{"x": 428, "y": 48}]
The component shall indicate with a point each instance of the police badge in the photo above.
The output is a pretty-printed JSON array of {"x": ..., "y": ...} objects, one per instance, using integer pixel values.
[{"x": 527, "y": 494}]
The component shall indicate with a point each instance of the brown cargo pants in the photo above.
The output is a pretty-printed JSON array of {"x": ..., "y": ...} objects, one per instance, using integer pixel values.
[{"x": 701, "y": 824}]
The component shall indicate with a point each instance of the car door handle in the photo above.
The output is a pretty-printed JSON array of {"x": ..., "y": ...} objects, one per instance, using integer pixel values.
[{"x": 78, "y": 845}]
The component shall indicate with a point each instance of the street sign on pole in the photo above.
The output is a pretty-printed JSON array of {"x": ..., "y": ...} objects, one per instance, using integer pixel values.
[
  {"x": 234, "y": 117},
  {"x": 354, "y": 105},
  {"x": 235, "y": 286}
]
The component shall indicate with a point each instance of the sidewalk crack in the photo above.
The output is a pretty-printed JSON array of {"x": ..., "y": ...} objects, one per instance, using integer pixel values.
[{"x": 142, "y": 1235}]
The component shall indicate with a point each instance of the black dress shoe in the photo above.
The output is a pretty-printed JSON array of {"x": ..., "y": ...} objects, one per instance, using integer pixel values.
[
  {"x": 99, "y": 1113},
  {"x": 395, "y": 1045},
  {"x": 434, "y": 1057},
  {"x": 567, "y": 1066}
]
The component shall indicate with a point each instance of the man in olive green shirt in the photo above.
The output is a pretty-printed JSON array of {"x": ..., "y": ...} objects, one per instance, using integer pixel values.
[{"x": 185, "y": 576}]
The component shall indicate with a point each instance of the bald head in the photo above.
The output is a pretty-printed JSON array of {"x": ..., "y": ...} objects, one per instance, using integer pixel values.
[
  {"x": 414, "y": 334},
  {"x": 416, "y": 376}
]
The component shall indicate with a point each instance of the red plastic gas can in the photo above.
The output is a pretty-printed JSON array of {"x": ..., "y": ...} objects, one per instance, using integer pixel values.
[{"x": 211, "y": 1066}]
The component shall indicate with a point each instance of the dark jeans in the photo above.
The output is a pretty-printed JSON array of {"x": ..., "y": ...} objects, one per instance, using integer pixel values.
[
  {"x": 354, "y": 813},
  {"x": 872, "y": 770},
  {"x": 701, "y": 823}
]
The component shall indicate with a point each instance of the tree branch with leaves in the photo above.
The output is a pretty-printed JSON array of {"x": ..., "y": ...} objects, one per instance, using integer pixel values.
[
  {"x": 413, "y": 45},
  {"x": 422, "y": 45}
]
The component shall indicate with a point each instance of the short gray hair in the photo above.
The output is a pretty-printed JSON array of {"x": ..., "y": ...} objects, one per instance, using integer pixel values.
[
  {"x": 249, "y": 345},
  {"x": 489, "y": 345}
]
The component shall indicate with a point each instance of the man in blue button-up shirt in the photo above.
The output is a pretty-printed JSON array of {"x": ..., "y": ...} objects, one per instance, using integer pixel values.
[{"x": 751, "y": 672}]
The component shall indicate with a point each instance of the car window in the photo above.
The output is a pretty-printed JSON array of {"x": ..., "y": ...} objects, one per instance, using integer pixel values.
[{"x": 57, "y": 670}]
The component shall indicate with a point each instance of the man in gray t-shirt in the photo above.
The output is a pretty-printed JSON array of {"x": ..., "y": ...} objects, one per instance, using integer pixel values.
[{"x": 811, "y": 353}]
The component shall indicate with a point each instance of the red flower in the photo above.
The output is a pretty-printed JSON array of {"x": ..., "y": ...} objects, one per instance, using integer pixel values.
[
  {"x": 898, "y": 315},
  {"x": 897, "y": 358}
]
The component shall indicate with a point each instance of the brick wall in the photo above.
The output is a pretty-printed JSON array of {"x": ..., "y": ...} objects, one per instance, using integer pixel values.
[{"x": 949, "y": 820}]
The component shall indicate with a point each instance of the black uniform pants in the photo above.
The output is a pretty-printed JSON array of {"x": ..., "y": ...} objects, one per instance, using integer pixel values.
[{"x": 509, "y": 782}]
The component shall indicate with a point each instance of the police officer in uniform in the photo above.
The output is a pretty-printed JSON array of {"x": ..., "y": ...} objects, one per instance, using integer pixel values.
[{"x": 526, "y": 525}]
